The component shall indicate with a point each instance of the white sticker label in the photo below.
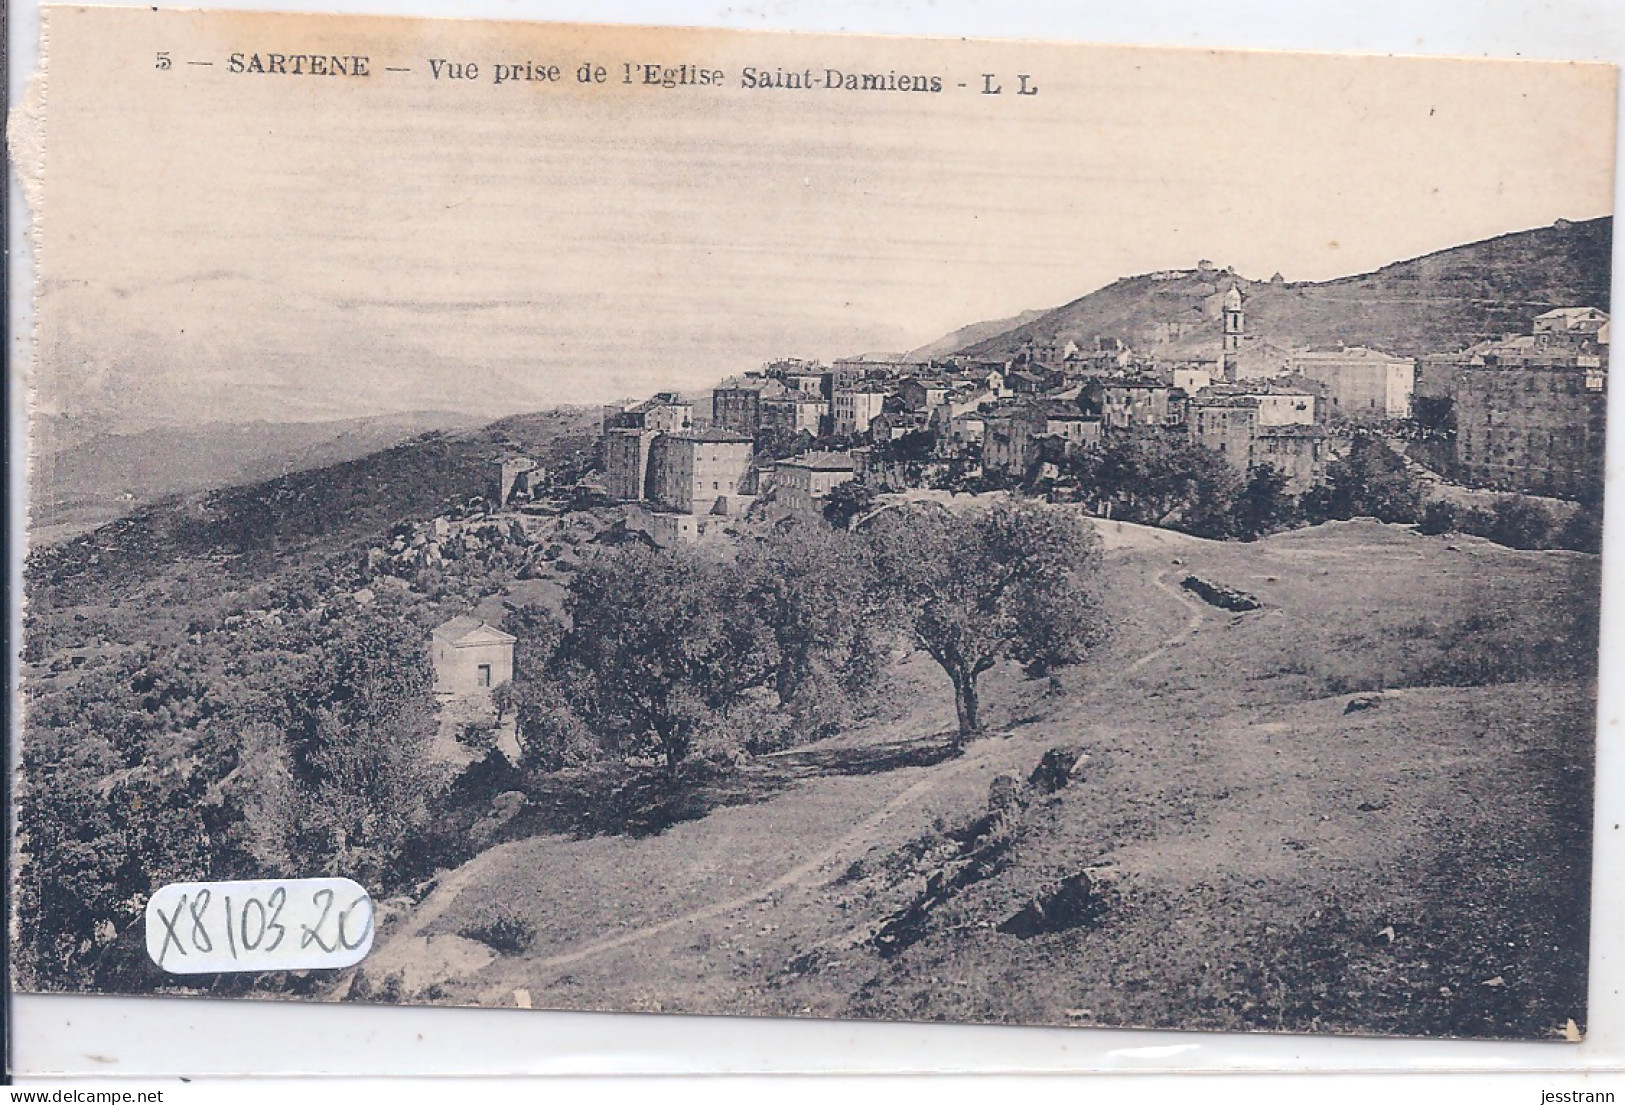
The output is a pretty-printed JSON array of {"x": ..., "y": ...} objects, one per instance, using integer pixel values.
[{"x": 262, "y": 925}]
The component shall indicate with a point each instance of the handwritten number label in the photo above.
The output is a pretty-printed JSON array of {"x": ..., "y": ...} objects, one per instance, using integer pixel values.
[
  {"x": 163, "y": 59},
  {"x": 199, "y": 928},
  {"x": 313, "y": 933}
]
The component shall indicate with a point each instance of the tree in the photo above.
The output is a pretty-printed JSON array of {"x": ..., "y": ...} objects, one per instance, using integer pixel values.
[
  {"x": 360, "y": 735},
  {"x": 503, "y": 699},
  {"x": 1371, "y": 481},
  {"x": 847, "y": 501},
  {"x": 1582, "y": 531},
  {"x": 669, "y": 642},
  {"x": 1264, "y": 504},
  {"x": 1439, "y": 517},
  {"x": 1155, "y": 480},
  {"x": 812, "y": 587},
  {"x": 1016, "y": 581},
  {"x": 537, "y": 632},
  {"x": 1521, "y": 523}
]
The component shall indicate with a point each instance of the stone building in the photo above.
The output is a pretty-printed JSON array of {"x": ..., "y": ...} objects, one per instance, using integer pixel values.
[
  {"x": 1231, "y": 425},
  {"x": 1014, "y": 438},
  {"x": 850, "y": 371},
  {"x": 922, "y": 395},
  {"x": 1528, "y": 410},
  {"x": 1191, "y": 379},
  {"x": 736, "y": 404},
  {"x": 664, "y": 412},
  {"x": 795, "y": 412},
  {"x": 1225, "y": 423},
  {"x": 1574, "y": 322},
  {"x": 1127, "y": 403},
  {"x": 854, "y": 408},
  {"x": 626, "y": 462},
  {"x": 803, "y": 483},
  {"x": 806, "y": 377},
  {"x": 469, "y": 657},
  {"x": 962, "y": 434},
  {"x": 1009, "y": 445},
  {"x": 1362, "y": 384},
  {"x": 1279, "y": 402},
  {"x": 1299, "y": 452},
  {"x": 629, "y": 433},
  {"x": 701, "y": 473},
  {"x": 1531, "y": 427},
  {"x": 516, "y": 475},
  {"x": 890, "y": 425}
]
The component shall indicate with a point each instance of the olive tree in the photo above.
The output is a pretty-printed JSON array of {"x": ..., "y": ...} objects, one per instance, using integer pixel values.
[{"x": 1017, "y": 581}]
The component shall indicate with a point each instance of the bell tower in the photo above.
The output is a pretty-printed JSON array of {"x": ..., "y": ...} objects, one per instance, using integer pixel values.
[{"x": 1234, "y": 324}]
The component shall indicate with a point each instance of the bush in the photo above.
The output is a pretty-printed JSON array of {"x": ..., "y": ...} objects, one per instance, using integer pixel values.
[
  {"x": 506, "y": 933},
  {"x": 1440, "y": 517},
  {"x": 1476, "y": 520},
  {"x": 1520, "y": 523},
  {"x": 477, "y": 735},
  {"x": 1582, "y": 532},
  {"x": 553, "y": 736}
]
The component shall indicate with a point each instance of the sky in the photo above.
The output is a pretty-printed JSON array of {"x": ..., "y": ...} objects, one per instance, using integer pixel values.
[{"x": 220, "y": 246}]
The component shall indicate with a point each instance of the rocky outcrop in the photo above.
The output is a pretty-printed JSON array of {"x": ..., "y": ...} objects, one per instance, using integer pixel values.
[{"x": 1217, "y": 594}]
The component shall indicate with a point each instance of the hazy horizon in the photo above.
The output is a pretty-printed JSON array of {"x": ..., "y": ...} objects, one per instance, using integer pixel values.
[{"x": 246, "y": 248}]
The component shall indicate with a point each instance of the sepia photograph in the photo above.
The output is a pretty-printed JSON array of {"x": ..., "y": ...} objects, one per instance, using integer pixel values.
[{"x": 650, "y": 520}]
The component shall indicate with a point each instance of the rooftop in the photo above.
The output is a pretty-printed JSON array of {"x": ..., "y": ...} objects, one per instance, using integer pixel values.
[
  {"x": 715, "y": 436},
  {"x": 1573, "y": 312},
  {"x": 749, "y": 383},
  {"x": 1295, "y": 429},
  {"x": 820, "y": 462},
  {"x": 466, "y": 626},
  {"x": 1347, "y": 353}
]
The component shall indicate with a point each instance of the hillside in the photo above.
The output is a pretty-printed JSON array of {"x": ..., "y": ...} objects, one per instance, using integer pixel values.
[
  {"x": 1255, "y": 839},
  {"x": 970, "y": 335},
  {"x": 1439, "y": 302},
  {"x": 259, "y": 526},
  {"x": 81, "y": 479}
]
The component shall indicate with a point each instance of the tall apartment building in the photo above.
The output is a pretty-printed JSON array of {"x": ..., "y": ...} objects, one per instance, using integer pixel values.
[
  {"x": 700, "y": 473},
  {"x": 1529, "y": 409}
]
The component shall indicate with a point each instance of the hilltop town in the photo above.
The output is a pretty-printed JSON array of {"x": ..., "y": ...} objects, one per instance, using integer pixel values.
[
  {"x": 1518, "y": 414},
  {"x": 1522, "y": 414}
]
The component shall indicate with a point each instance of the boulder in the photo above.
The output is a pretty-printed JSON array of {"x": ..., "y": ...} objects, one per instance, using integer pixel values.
[
  {"x": 1070, "y": 903},
  {"x": 1056, "y": 769},
  {"x": 1363, "y": 702}
]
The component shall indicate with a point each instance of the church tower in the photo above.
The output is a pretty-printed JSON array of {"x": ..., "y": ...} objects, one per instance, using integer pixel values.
[{"x": 1234, "y": 322}]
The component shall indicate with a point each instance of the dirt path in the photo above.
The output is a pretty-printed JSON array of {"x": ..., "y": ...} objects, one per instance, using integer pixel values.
[{"x": 1198, "y": 614}]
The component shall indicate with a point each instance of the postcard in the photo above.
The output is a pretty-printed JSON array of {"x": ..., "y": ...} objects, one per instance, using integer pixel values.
[{"x": 652, "y": 520}]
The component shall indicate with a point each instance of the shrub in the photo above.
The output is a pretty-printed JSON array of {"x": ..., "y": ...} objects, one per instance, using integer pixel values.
[
  {"x": 477, "y": 735},
  {"x": 1582, "y": 532},
  {"x": 1440, "y": 517},
  {"x": 1520, "y": 523},
  {"x": 506, "y": 933}
]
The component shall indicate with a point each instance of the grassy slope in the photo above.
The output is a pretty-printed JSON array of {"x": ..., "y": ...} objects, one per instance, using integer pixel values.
[
  {"x": 1442, "y": 301},
  {"x": 1258, "y": 839}
]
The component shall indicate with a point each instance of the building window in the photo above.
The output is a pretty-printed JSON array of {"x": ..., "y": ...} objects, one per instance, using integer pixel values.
[{"x": 485, "y": 675}]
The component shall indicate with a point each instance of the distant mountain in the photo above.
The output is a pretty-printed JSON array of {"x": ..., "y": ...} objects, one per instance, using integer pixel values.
[
  {"x": 966, "y": 336},
  {"x": 1439, "y": 302},
  {"x": 262, "y": 526},
  {"x": 86, "y": 473}
]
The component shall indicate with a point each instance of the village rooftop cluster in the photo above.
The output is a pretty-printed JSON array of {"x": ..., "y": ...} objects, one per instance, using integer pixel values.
[{"x": 1522, "y": 413}]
